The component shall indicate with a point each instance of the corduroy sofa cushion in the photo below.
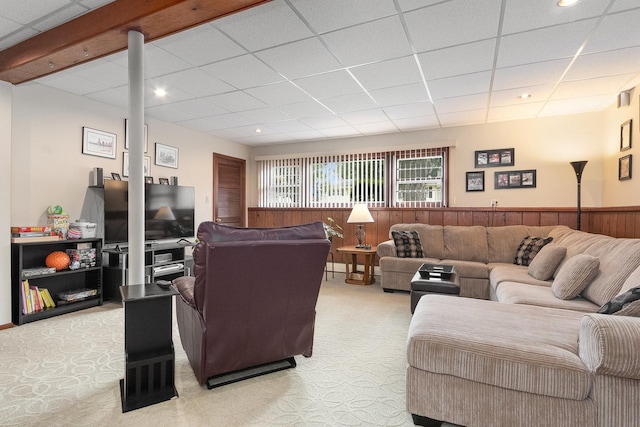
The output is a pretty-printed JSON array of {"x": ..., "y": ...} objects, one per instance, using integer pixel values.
[{"x": 575, "y": 276}]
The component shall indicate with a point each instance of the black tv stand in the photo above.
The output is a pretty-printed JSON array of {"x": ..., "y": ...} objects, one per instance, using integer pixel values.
[{"x": 165, "y": 261}]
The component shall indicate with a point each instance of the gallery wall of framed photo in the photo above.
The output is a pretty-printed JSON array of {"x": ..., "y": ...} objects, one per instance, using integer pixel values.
[
  {"x": 505, "y": 179},
  {"x": 104, "y": 144}
]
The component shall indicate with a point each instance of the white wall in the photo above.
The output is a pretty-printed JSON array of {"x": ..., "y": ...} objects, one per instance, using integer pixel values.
[
  {"x": 5, "y": 198},
  {"x": 49, "y": 167},
  {"x": 615, "y": 192},
  {"x": 545, "y": 144}
]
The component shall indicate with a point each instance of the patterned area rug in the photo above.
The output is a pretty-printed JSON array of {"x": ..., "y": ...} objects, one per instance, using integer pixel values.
[{"x": 66, "y": 371}]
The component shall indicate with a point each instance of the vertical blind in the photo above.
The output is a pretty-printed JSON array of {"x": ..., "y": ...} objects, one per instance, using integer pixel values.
[{"x": 406, "y": 178}]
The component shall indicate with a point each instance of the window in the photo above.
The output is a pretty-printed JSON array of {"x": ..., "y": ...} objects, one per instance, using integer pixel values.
[{"x": 410, "y": 178}]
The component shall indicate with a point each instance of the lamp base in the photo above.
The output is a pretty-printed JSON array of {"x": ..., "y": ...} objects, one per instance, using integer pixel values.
[{"x": 363, "y": 246}]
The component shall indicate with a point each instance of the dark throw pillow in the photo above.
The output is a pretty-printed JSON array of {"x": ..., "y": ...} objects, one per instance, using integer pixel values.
[
  {"x": 626, "y": 304},
  {"x": 407, "y": 244},
  {"x": 529, "y": 248}
]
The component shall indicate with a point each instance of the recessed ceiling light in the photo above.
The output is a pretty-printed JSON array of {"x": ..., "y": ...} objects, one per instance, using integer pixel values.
[
  {"x": 567, "y": 3},
  {"x": 160, "y": 92},
  {"x": 524, "y": 96},
  {"x": 258, "y": 130}
]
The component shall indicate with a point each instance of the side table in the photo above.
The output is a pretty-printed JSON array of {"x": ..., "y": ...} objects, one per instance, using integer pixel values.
[
  {"x": 149, "y": 355},
  {"x": 354, "y": 276}
]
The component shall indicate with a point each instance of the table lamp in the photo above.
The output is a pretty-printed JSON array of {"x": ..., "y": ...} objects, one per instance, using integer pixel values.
[{"x": 359, "y": 215}]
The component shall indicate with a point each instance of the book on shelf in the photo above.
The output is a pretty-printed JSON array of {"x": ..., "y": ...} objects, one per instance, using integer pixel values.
[
  {"x": 34, "y": 239},
  {"x": 37, "y": 271},
  {"x": 47, "y": 298},
  {"x": 30, "y": 234},
  {"x": 37, "y": 298},
  {"x": 25, "y": 303},
  {"x": 30, "y": 229},
  {"x": 34, "y": 298}
]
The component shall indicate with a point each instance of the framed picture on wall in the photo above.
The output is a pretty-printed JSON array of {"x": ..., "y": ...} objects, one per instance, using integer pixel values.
[
  {"x": 625, "y": 135},
  {"x": 494, "y": 158},
  {"x": 125, "y": 165},
  {"x": 98, "y": 143},
  {"x": 624, "y": 168},
  {"x": 126, "y": 135},
  {"x": 475, "y": 181},
  {"x": 515, "y": 179}
]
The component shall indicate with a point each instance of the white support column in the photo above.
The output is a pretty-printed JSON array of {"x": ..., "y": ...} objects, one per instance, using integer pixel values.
[{"x": 136, "y": 158}]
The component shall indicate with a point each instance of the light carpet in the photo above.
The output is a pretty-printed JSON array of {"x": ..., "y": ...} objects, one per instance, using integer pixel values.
[{"x": 66, "y": 371}]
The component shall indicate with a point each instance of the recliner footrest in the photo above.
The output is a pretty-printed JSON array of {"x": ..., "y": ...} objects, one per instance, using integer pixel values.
[{"x": 254, "y": 371}]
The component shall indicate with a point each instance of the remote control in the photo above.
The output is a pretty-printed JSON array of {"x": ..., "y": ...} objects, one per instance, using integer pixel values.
[{"x": 163, "y": 283}]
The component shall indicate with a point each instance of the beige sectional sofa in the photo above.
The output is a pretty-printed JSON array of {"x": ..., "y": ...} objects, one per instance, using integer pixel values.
[{"x": 524, "y": 357}]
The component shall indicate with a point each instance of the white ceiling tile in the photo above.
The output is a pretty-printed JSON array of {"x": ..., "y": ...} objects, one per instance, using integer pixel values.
[
  {"x": 306, "y": 135},
  {"x": 370, "y": 42},
  {"x": 278, "y": 94},
  {"x": 226, "y": 133},
  {"x": 523, "y": 15},
  {"x": 301, "y": 58},
  {"x": 71, "y": 83},
  {"x": 407, "y": 111},
  {"x": 289, "y": 126},
  {"x": 193, "y": 81},
  {"x": 267, "y": 25},
  {"x": 330, "y": 15},
  {"x": 304, "y": 109},
  {"x": 93, "y": 4},
  {"x": 236, "y": 101},
  {"x": 592, "y": 87},
  {"x": 562, "y": 41},
  {"x": 251, "y": 131},
  {"x": 159, "y": 61},
  {"x": 517, "y": 112},
  {"x": 419, "y": 122},
  {"x": 621, "y": 5},
  {"x": 452, "y": 23},
  {"x": 460, "y": 85},
  {"x": 106, "y": 73},
  {"x": 173, "y": 95},
  {"x": 462, "y": 103},
  {"x": 621, "y": 61},
  {"x": 530, "y": 74},
  {"x": 349, "y": 103},
  {"x": 323, "y": 122},
  {"x": 511, "y": 97},
  {"x": 457, "y": 60},
  {"x": 117, "y": 96},
  {"x": 243, "y": 72},
  {"x": 231, "y": 120},
  {"x": 166, "y": 113},
  {"x": 340, "y": 132},
  {"x": 575, "y": 105},
  {"x": 616, "y": 31},
  {"x": 16, "y": 37},
  {"x": 201, "y": 45},
  {"x": 62, "y": 15},
  {"x": 462, "y": 118},
  {"x": 406, "y": 5},
  {"x": 266, "y": 115},
  {"x": 365, "y": 116},
  {"x": 394, "y": 72},
  {"x": 329, "y": 84},
  {"x": 398, "y": 95},
  {"x": 377, "y": 128},
  {"x": 197, "y": 108},
  {"x": 7, "y": 26},
  {"x": 201, "y": 125},
  {"x": 26, "y": 11}
]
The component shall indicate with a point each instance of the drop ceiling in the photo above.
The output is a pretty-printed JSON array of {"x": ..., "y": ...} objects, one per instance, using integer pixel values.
[{"x": 302, "y": 70}]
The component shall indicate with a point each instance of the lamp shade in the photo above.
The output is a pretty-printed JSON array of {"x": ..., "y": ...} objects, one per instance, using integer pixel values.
[
  {"x": 165, "y": 213},
  {"x": 360, "y": 214}
]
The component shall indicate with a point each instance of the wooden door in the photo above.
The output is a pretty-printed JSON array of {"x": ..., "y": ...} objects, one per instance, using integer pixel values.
[{"x": 229, "y": 190}]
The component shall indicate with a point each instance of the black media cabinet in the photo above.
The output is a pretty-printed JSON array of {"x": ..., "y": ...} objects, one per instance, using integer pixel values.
[{"x": 162, "y": 261}]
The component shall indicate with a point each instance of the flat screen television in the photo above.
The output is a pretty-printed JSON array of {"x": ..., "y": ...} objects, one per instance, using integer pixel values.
[{"x": 169, "y": 211}]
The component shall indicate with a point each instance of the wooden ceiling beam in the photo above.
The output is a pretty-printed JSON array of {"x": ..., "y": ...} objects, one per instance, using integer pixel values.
[{"x": 103, "y": 31}]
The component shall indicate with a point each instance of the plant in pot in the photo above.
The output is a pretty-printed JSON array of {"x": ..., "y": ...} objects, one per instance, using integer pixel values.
[{"x": 332, "y": 229}]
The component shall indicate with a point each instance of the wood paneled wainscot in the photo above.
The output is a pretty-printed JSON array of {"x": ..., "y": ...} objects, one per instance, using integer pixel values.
[{"x": 616, "y": 222}]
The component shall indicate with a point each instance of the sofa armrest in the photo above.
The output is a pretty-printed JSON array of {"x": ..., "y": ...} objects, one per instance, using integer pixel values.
[
  {"x": 185, "y": 285},
  {"x": 387, "y": 248},
  {"x": 608, "y": 345}
]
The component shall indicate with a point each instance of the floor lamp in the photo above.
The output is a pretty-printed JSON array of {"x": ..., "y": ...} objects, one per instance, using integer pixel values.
[{"x": 579, "y": 167}]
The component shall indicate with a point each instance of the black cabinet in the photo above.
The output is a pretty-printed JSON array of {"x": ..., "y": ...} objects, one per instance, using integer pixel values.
[
  {"x": 71, "y": 290},
  {"x": 149, "y": 355},
  {"x": 163, "y": 261}
]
